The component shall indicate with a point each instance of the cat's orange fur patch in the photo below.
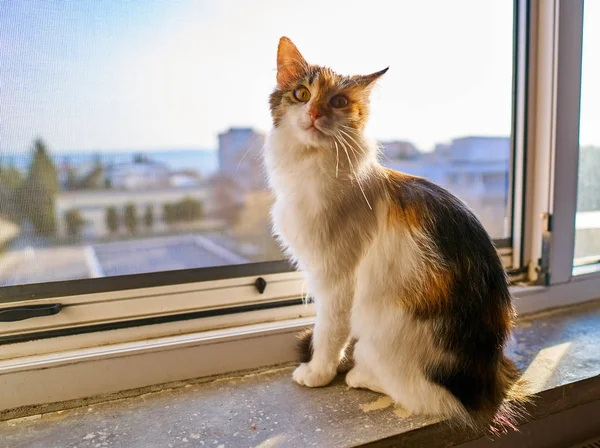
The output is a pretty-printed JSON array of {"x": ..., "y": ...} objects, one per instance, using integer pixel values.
[
  {"x": 432, "y": 288},
  {"x": 435, "y": 293},
  {"x": 402, "y": 214}
]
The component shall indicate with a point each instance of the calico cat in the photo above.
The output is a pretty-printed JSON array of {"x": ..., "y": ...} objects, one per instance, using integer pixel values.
[{"x": 399, "y": 267}]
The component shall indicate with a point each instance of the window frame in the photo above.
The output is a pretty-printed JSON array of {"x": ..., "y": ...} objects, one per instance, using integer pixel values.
[
  {"x": 545, "y": 138},
  {"x": 553, "y": 144},
  {"x": 546, "y": 105},
  {"x": 90, "y": 304}
]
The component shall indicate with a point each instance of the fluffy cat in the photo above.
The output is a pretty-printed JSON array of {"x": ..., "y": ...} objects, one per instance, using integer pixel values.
[{"x": 396, "y": 264}]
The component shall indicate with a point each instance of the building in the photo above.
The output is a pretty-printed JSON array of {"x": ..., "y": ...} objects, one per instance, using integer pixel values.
[
  {"x": 93, "y": 205},
  {"x": 183, "y": 179},
  {"x": 240, "y": 158},
  {"x": 477, "y": 171},
  {"x": 141, "y": 173},
  {"x": 473, "y": 168},
  {"x": 400, "y": 150}
]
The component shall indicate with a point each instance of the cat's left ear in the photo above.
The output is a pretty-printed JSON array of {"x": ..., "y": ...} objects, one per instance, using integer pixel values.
[
  {"x": 290, "y": 62},
  {"x": 369, "y": 80}
]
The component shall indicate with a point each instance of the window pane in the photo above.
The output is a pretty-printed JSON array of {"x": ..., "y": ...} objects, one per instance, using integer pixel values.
[
  {"x": 587, "y": 223},
  {"x": 131, "y": 131}
]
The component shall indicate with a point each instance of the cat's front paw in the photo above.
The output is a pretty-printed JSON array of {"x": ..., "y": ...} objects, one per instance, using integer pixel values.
[{"x": 309, "y": 375}]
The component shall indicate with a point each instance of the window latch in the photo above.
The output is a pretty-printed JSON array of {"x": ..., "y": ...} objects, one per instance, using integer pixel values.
[
  {"x": 543, "y": 267},
  {"x": 27, "y": 312},
  {"x": 260, "y": 284}
]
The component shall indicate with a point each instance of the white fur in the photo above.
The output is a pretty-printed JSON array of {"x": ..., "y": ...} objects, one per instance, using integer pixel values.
[{"x": 392, "y": 347}]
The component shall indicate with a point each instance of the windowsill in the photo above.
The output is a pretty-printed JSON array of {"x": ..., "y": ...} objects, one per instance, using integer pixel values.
[
  {"x": 557, "y": 350},
  {"x": 587, "y": 269}
]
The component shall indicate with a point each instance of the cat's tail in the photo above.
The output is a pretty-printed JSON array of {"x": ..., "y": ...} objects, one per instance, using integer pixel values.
[
  {"x": 511, "y": 410},
  {"x": 304, "y": 345},
  {"x": 305, "y": 349}
]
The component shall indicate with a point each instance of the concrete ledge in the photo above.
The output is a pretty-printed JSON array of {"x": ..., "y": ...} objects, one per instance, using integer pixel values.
[{"x": 557, "y": 350}]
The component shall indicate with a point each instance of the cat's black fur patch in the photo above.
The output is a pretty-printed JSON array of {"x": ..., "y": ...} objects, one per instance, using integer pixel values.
[
  {"x": 474, "y": 322},
  {"x": 304, "y": 346},
  {"x": 460, "y": 382}
]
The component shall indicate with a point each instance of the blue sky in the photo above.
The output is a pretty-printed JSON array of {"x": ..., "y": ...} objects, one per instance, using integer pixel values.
[{"x": 105, "y": 75}]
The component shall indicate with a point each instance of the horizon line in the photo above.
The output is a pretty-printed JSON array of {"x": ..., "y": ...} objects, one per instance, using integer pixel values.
[{"x": 188, "y": 148}]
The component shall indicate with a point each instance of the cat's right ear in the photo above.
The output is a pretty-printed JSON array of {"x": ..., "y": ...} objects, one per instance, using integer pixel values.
[{"x": 290, "y": 63}]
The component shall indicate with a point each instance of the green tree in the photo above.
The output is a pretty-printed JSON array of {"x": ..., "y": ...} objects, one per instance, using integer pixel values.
[
  {"x": 37, "y": 193},
  {"x": 43, "y": 169},
  {"x": 38, "y": 207},
  {"x": 10, "y": 178},
  {"x": 189, "y": 209},
  {"x": 95, "y": 178},
  {"x": 149, "y": 217},
  {"x": 72, "y": 182},
  {"x": 168, "y": 213},
  {"x": 92, "y": 180},
  {"x": 10, "y": 183},
  {"x": 112, "y": 219},
  {"x": 131, "y": 219},
  {"x": 186, "y": 210},
  {"x": 74, "y": 222}
]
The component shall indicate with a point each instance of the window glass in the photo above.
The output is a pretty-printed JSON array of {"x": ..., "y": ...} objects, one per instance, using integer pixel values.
[
  {"x": 587, "y": 222},
  {"x": 131, "y": 131}
]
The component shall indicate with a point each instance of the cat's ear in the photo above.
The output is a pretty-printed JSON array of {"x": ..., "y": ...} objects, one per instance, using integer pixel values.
[
  {"x": 290, "y": 63},
  {"x": 369, "y": 80}
]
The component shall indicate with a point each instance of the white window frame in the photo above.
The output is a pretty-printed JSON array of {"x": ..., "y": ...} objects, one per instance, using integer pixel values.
[{"x": 546, "y": 131}]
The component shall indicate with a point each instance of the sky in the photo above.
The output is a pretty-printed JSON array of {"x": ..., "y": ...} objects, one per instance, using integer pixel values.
[
  {"x": 116, "y": 75},
  {"x": 589, "y": 126}
]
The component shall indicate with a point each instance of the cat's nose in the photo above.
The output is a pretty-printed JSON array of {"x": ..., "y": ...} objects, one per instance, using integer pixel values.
[{"x": 314, "y": 113}]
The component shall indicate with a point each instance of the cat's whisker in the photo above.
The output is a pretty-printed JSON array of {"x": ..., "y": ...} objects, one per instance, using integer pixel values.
[
  {"x": 352, "y": 148},
  {"x": 240, "y": 161},
  {"x": 354, "y": 173},
  {"x": 345, "y": 145},
  {"x": 359, "y": 150},
  {"x": 350, "y": 129},
  {"x": 337, "y": 158},
  {"x": 351, "y": 138},
  {"x": 346, "y": 151}
]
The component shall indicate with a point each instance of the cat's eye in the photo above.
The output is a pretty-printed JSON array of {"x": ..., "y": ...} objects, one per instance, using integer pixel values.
[
  {"x": 302, "y": 94},
  {"x": 338, "y": 101}
]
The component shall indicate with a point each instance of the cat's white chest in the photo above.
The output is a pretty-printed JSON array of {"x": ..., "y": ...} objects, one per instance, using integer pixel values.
[
  {"x": 294, "y": 219},
  {"x": 300, "y": 197},
  {"x": 292, "y": 222}
]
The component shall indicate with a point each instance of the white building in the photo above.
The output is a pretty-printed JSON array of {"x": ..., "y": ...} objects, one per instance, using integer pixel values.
[
  {"x": 240, "y": 158},
  {"x": 93, "y": 204},
  {"x": 480, "y": 150},
  {"x": 139, "y": 174},
  {"x": 184, "y": 180},
  {"x": 397, "y": 150},
  {"x": 473, "y": 168}
]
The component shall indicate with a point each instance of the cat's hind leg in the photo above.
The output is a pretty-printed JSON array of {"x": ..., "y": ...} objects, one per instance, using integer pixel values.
[{"x": 361, "y": 376}]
